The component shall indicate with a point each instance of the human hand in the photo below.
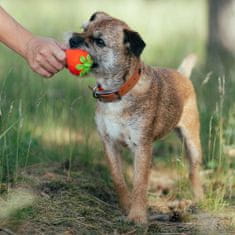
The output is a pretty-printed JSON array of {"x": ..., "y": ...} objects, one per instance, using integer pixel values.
[{"x": 45, "y": 56}]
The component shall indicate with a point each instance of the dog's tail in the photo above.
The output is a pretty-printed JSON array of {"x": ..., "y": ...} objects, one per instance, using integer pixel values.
[{"x": 187, "y": 65}]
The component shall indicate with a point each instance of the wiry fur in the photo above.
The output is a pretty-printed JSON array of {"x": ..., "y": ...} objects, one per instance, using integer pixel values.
[{"x": 163, "y": 100}]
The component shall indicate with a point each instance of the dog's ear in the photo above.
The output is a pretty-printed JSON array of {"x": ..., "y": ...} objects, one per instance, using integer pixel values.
[
  {"x": 133, "y": 42},
  {"x": 93, "y": 16},
  {"x": 98, "y": 16}
]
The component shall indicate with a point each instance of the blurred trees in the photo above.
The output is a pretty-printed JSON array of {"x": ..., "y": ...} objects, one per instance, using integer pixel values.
[
  {"x": 219, "y": 96},
  {"x": 221, "y": 38},
  {"x": 221, "y": 45}
]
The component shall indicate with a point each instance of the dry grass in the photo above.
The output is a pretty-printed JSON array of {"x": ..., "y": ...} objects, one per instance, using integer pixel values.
[{"x": 86, "y": 203}]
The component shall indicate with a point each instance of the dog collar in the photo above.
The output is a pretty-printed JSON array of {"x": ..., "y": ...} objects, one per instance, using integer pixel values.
[{"x": 116, "y": 94}]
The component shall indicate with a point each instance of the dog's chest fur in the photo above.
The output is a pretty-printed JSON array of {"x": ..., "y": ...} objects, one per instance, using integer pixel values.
[
  {"x": 117, "y": 126},
  {"x": 152, "y": 109}
]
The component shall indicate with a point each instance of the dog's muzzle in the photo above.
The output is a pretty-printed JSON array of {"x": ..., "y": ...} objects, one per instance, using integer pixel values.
[{"x": 76, "y": 41}]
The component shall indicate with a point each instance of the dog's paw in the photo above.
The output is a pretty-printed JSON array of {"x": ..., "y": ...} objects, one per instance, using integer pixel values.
[
  {"x": 125, "y": 206},
  {"x": 138, "y": 216}
]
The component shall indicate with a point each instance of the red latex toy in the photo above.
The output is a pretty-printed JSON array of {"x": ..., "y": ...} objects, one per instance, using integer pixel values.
[{"x": 79, "y": 62}]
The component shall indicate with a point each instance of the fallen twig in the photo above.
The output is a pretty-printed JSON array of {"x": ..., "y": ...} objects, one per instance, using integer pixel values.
[{"x": 7, "y": 231}]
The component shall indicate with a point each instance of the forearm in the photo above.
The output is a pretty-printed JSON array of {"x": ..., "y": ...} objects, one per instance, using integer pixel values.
[
  {"x": 45, "y": 56},
  {"x": 12, "y": 34}
]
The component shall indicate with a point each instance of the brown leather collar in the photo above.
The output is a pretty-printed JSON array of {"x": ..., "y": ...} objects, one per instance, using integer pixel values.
[{"x": 116, "y": 94}]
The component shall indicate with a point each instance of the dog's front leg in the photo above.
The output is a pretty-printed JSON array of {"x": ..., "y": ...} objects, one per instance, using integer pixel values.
[
  {"x": 138, "y": 210},
  {"x": 114, "y": 161}
]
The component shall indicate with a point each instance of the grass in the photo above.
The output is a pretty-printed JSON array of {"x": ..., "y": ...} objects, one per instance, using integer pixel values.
[
  {"x": 51, "y": 121},
  {"x": 86, "y": 203}
]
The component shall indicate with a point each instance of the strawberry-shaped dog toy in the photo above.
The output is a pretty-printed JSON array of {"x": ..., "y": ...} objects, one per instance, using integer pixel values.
[{"x": 79, "y": 62}]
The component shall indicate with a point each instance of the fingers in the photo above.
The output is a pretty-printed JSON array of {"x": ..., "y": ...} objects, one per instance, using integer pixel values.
[
  {"x": 62, "y": 45},
  {"x": 41, "y": 71},
  {"x": 58, "y": 53},
  {"x": 49, "y": 68},
  {"x": 48, "y": 64},
  {"x": 46, "y": 56},
  {"x": 46, "y": 67},
  {"x": 52, "y": 60},
  {"x": 55, "y": 63}
]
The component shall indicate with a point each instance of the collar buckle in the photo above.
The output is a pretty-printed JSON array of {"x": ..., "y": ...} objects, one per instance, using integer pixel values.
[
  {"x": 115, "y": 95},
  {"x": 95, "y": 94}
]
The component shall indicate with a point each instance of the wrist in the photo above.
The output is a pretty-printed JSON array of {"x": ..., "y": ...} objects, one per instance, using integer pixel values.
[{"x": 24, "y": 44}]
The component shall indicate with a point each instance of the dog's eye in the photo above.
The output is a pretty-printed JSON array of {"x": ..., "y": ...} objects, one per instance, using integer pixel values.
[{"x": 99, "y": 42}]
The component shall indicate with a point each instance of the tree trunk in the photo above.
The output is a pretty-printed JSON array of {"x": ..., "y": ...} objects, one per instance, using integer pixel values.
[
  {"x": 218, "y": 99},
  {"x": 221, "y": 48},
  {"x": 221, "y": 38}
]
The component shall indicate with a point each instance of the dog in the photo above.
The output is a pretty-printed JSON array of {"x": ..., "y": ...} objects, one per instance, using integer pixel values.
[{"x": 136, "y": 105}]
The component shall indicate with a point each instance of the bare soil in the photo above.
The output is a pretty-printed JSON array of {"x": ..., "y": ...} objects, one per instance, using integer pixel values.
[{"x": 84, "y": 202}]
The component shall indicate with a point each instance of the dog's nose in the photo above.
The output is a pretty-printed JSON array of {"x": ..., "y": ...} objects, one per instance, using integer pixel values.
[{"x": 76, "y": 41}]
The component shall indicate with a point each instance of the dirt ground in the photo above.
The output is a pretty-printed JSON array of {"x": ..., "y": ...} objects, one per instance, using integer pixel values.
[{"x": 49, "y": 201}]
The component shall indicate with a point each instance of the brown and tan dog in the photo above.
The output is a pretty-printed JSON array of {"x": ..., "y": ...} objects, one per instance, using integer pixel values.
[{"x": 138, "y": 104}]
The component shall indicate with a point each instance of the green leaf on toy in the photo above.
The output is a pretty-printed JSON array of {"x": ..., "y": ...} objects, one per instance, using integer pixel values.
[
  {"x": 79, "y": 67},
  {"x": 82, "y": 59},
  {"x": 86, "y": 65},
  {"x": 89, "y": 60},
  {"x": 83, "y": 73}
]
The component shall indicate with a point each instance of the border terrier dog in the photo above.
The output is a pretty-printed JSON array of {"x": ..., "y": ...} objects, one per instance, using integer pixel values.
[{"x": 136, "y": 105}]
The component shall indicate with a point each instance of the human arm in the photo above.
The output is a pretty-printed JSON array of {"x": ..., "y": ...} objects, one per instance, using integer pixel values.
[{"x": 45, "y": 56}]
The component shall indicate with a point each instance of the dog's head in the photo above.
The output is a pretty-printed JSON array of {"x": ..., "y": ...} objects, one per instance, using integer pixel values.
[{"x": 110, "y": 42}]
